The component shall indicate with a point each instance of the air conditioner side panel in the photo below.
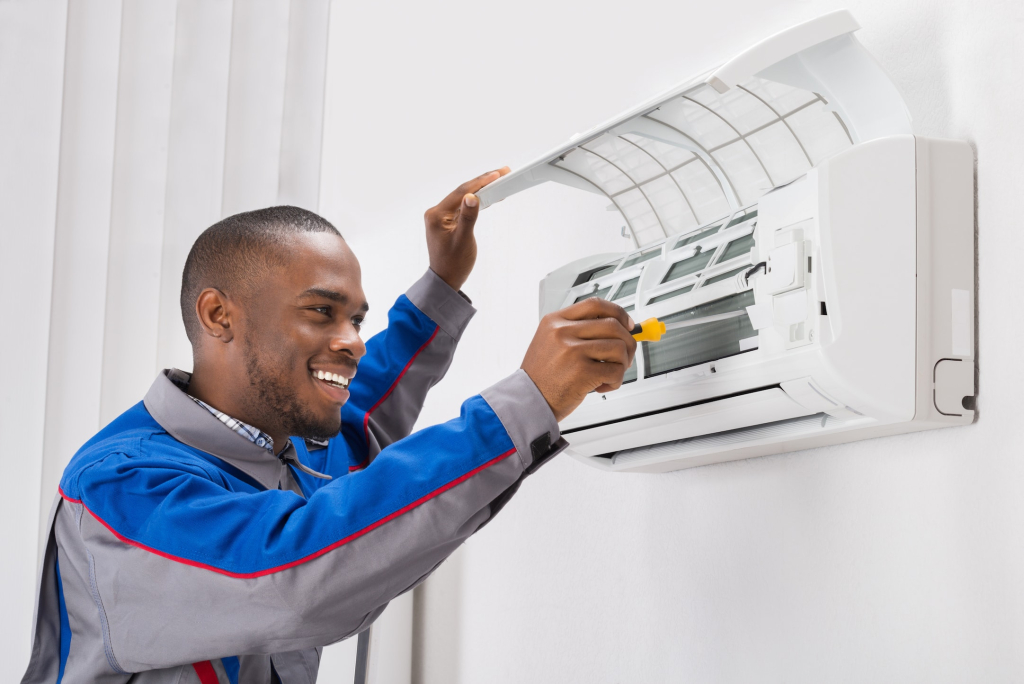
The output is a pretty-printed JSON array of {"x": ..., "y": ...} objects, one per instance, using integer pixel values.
[
  {"x": 946, "y": 307},
  {"x": 868, "y": 228}
]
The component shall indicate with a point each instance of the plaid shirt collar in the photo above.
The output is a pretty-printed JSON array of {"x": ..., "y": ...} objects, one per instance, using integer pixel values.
[{"x": 251, "y": 433}]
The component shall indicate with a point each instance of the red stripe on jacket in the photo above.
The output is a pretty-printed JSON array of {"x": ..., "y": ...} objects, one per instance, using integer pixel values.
[
  {"x": 366, "y": 418},
  {"x": 355, "y": 535},
  {"x": 206, "y": 673}
]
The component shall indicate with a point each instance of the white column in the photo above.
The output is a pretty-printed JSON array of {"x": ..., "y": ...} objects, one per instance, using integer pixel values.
[
  {"x": 391, "y": 644},
  {"x": 302, "y": 125},
  {"x": 195, "y": 157},
  {"x": 82, "y": 235},
  {"x": 259, "y": 50},
  {"x": 137, "y": 205},
  {"x": 31, "y": 83},
  {"x": 330, "y": 202}
]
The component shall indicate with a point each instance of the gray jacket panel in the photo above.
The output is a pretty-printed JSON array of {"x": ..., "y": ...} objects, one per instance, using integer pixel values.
[{"x": 395, "y": 416}]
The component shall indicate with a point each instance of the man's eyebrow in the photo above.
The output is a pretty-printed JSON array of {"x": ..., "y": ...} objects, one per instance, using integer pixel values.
[{"x": 331, "y": 295}]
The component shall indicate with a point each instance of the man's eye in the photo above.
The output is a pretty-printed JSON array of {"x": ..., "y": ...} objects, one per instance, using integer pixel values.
[
  {"x": 357, "y": 322},
  {"x": 325, "y": 310}
]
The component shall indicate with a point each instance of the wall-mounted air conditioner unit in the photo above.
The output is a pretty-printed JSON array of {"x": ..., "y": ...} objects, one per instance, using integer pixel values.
[{"x": 797, "y": 153}]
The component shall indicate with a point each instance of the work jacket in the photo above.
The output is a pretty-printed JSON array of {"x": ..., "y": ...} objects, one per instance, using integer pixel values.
[{"x": 180, "y": 551}]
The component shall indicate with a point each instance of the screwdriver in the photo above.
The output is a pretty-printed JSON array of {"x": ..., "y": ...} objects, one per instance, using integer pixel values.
[{"x": 652, "y": 329}]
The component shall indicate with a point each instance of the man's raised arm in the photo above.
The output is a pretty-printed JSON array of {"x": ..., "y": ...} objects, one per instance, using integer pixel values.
[{"x": 413, "y": 354}]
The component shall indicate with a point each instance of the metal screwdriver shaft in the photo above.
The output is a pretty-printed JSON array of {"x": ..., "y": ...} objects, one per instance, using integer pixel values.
[{"x": 652, "y": 329}]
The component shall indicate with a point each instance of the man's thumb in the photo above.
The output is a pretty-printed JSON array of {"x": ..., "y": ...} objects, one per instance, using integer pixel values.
[{"x": 468, "y": 212}]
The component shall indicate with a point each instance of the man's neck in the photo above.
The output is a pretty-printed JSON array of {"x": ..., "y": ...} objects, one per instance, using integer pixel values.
[{"x": 217, "y": 392}]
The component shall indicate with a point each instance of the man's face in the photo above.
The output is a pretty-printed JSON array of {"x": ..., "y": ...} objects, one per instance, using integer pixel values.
[{"x": 303, "y": 322}]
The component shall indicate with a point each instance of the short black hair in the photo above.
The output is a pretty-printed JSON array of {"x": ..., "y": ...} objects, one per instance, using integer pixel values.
[{"x": 234, "y": 253}]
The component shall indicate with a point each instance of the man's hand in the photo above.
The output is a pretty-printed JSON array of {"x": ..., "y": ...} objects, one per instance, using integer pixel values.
[
  {"x": 450, "y": 240},
  {"x": 583, "y": 347}
]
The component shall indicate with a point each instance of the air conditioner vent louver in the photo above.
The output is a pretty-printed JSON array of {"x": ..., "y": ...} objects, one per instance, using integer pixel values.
[{"x": 681, "y": 448}]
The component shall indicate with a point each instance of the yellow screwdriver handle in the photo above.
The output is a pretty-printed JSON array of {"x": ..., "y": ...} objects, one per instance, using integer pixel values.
[{"x": 650, "y": 330}]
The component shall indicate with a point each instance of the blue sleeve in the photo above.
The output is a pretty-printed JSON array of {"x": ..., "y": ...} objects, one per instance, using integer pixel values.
[{"x": 401, "y": 364}]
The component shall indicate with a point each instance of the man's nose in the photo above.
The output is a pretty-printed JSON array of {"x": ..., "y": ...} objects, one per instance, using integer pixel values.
[{"x": 348, "y": 340}]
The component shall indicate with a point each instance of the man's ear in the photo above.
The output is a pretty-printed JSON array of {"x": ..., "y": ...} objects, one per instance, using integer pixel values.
[{"x": 215, "y": 311}]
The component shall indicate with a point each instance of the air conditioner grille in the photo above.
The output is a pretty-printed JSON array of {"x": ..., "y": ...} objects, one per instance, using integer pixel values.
[{"x": 792, "y": 427}]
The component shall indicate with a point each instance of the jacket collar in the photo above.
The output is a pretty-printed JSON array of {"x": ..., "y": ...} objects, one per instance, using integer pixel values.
[{"x": 191, "y": 424}]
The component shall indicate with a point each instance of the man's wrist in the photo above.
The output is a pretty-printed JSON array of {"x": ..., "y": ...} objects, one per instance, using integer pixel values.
[
  {"x": 446, "y": 306},
  {"x": 527, "y": 418},
  {"x": 451, "y": 281}
]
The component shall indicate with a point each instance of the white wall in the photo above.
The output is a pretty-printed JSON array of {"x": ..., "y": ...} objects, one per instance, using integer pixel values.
[{"x": 890, "y": 560}]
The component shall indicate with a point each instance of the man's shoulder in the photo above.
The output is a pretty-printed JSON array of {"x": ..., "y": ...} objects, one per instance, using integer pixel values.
[{"x": 133, "y": 438}]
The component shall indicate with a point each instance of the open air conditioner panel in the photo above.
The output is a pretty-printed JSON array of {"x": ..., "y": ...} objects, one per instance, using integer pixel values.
[
  {"x": 703, "y": 154},
  {"x": 786, "y": 185},
  {"x": 717, "y": 143}
]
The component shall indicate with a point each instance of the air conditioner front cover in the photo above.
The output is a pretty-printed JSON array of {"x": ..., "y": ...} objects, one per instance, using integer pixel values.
[{"x": 719, "y": 141}]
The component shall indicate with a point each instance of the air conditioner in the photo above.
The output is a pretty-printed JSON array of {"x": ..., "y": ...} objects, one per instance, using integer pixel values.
[{"x": 859, "y": 322}]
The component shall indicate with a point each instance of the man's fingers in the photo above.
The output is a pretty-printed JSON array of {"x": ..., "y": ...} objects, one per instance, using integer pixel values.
[
  {"x": 484, "y": 179},
  {"x": 596, "y": 307},
  {"x": 452, "y": 201},
  {"x": 608, "y": 374},
  {"x": 615, "y": 352},
  {"x": 462, "y": 204},
  {"x": 602, "y": 329},
  {"x": 599, "y": 329},
  {"x": 582, "y": 348}
]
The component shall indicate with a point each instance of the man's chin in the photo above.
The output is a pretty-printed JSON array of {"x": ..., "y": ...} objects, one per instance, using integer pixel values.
[{"x": 317, "y": 431}]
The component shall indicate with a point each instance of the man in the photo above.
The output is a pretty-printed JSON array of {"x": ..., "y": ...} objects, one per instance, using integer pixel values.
[{"x": 271, "y": 502}]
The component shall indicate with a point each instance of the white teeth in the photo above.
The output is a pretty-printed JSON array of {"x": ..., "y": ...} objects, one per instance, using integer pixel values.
[{"x": 332, "y": 378}]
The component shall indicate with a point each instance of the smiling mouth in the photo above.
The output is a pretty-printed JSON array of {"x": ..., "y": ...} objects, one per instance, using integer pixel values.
[{"x": 332, "y": 379}]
